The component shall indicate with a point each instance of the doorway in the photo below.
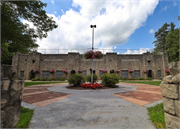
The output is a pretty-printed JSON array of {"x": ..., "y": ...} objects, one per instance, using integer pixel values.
[
  {"x": 73, "y": 72},
  {"x": 150, "y": 73},
  {"x": 31, "y": 75},
  {"x": 111, "y": 71}
]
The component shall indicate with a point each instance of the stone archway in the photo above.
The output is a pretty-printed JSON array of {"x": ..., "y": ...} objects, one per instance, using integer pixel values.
[
  {"x": 31, "y": 75},
  {"x": 150, "y": 73},
  {"x": 73, "y": 72},
  {"x": 111, "y": 71}
]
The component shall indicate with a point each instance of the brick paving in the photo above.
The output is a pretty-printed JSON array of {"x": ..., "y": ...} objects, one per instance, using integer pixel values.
[
  {"x": 144, "y": 94},
  {"x": 41, "y": 96}
]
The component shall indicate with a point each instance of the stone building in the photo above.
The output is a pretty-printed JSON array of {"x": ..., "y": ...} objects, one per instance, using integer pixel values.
[{"x": 24, "y": 64}]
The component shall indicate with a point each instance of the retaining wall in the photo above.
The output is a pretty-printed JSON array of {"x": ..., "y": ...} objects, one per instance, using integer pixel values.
[{"x": 170, "y": 90}]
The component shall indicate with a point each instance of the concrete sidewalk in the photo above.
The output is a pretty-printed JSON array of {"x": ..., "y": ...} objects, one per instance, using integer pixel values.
[{"x": 90, "y": 109}]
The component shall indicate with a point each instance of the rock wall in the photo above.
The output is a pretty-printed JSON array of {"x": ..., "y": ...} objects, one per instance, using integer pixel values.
[
  {"x": 74, "y": 61},
  {"x": 11, "y": 98},
  {"x": 170, "y": 90}
]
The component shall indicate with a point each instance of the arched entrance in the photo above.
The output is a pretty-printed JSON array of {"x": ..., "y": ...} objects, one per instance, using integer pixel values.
[
  {"x": 111, "y": 71},
  {"x": 73, "y": 72},
  {"x": 94, "y": 72},
  {"x": 150, "y": 73},
  {"x": 31, "y": 75}
]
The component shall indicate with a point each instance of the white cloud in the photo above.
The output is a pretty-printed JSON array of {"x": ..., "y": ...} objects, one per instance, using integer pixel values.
[
  {"x": 115, "y": 25},
  {"x": 140, "y": 51},
  {"x": 62, "y": 11},
  {"x": 55, "y": 12},
  {"x": 52, "y": 1},
  {"x": 151, "y": 31},
  {"x": 114, "y": 47},
  {"x": 165, "y": 8},
  {"x": 175, "y": 3}
]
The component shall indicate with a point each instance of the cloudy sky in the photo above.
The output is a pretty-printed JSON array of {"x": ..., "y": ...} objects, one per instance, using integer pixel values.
[{"x": 121, "y": 24}]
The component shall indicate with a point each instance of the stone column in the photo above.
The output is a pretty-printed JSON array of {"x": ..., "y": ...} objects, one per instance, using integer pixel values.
[
  {"x": 11, "y": 98},
  {"x": 170, "y": 91}
]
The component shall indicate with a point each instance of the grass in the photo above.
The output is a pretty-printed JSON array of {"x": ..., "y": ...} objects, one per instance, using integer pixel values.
[
  {"x": 156, "y": 114},
  {"x": 156, "y": 83},
  {"x": 25, "y": 117},
  {"x": 43, "y": 82}
]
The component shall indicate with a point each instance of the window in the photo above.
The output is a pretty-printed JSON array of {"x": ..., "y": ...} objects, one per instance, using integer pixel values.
[
  {"x": 124, "y": 73},
  {"x": 136, "y": 73},
  {"x": 59, "y": 73},
  {"x": 22, "y": 74},
  {"x": 45, "y": 74},
  {"x": 84, "y": 73},
  {"x": 159, "y": 73},
  {"x": 100, "y": 73}
]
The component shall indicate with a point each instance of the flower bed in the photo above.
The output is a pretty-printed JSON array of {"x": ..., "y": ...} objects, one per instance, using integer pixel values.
[
  {"x": 36, "y": 71},
  {"x": 51, "y": 71},
  {"x": 145, "y": 70},
  {"x": 130, "y": 70},
  {"x": 93, "y": 55},
  {"x": 91, "y": 85}
]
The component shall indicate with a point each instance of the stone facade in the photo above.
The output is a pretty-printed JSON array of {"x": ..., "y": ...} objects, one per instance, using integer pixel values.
[
  {"x": 170, "y": 91},
  {"x": 75, "y": 61},
  {"x": 11, "y": 98}
]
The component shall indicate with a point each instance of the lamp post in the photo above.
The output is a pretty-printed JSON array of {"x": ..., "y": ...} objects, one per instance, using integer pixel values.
[{"x": 92, "y": 26}]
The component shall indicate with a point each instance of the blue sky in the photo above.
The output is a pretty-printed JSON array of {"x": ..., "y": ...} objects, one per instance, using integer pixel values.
[{"x": 120, "y": 25}]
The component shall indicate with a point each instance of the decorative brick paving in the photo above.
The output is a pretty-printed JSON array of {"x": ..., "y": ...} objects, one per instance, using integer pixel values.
[
  {"x": 144, "y": 94},
  {"x": 41, "y": 96}
]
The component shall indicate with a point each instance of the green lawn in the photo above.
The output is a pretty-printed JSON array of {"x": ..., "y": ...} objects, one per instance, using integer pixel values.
[
  {"x": 156, "y": 83},
  {"x": 156, "y": 114},
  {"x": 25, "y": 117},
  {"x": 43, "y": 82}
]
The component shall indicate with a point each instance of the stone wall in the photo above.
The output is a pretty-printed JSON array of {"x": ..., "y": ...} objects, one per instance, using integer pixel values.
[
  {"x": 170, "y": 90},
  {"x": 75, "y": 61},
  {"x": 11, "y": 98}
]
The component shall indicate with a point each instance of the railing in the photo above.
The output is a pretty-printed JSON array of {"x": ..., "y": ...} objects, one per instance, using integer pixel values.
[{"x": 104, "y": 51}]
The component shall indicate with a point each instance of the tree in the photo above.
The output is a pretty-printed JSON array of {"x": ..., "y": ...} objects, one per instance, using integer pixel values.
[
  {"x": 172, "y": 43},
  {"x": 161, "y": 35},
  {"x": 20, "y": 37}
]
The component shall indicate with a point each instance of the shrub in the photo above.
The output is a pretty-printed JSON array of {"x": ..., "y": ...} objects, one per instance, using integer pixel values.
[
  {"x": 110, "y": 79},
  {"x": 35, "y": 79},
  {"x": 149, "y": 78},
  {"x": 50, "y": 79},
  {"x": 123, "y": 78},
  {"x": 43, "y": 79},
  {"x": 88, "y": 78},
  {"x": 140, "y": 78},
  {"x": 53, "y": 79},
  {"x": 132, "y": 78},
  {"x": 76, "y": 79},
  {"x": 61, "y": 78}
]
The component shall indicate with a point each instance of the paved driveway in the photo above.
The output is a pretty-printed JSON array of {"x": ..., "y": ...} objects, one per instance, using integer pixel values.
[{"x": 89, "y": 109}]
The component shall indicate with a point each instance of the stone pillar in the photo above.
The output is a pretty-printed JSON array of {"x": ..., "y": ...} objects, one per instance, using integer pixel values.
[
  {"x": 11, "y": 98},
  {"x": 170, "y": 91},
  {"x": 15, "y": 63}
]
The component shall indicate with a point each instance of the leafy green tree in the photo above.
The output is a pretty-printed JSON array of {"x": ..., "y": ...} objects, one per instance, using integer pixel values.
[
  {"x": 172, "y": 43},
  {"x": 20, "y": 37},
  {"x": 161, "y": 35}
]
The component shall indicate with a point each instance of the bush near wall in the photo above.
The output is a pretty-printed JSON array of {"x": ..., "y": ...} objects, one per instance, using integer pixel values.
[
  {"x": 88, "y": 78},
  {"x": 140, "y": 78},
  {"x": 148, "y": 78},
  {"x": 76, "y": 79},
  {"x": 110, "y": 79},
  {"x": 123, "y": 78},
  {"x": 49, "y": 79}
]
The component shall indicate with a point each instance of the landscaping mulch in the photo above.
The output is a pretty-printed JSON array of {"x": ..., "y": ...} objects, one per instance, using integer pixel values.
[{"x": 81, "y": 88}]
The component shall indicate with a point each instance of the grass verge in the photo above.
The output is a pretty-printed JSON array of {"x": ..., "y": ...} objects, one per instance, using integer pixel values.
[
  {"x": 156, "y": 114},
  {"x": 26, "y": 84},
  {"x": 25, "y": 117},
  {"x": 156, "y": 83}
]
